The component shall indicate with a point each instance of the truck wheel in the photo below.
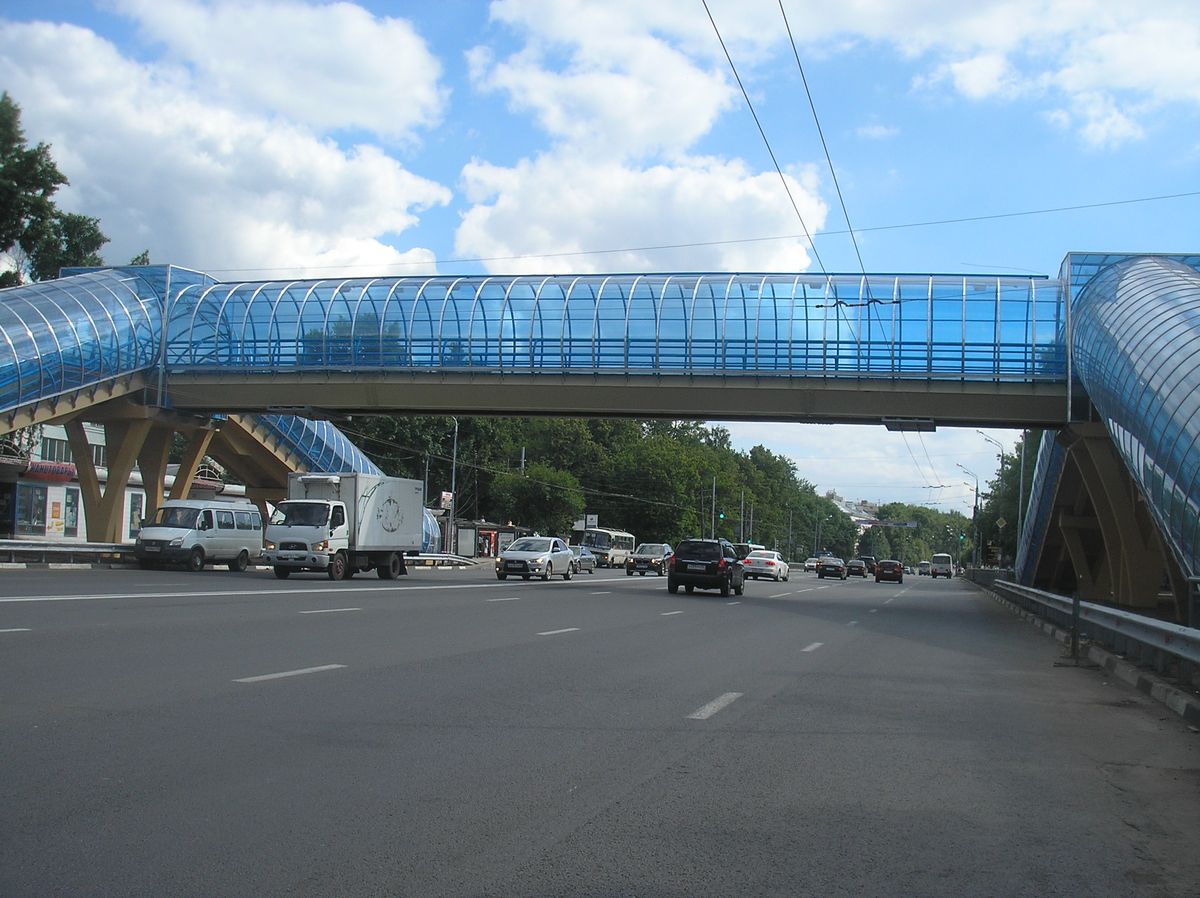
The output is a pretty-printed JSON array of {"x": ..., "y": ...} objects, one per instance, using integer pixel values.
[
  {"x": 195, "y": 561},
  {"x": 240, "y": 563},
  {"x": 337, "y": 567},
  {"x": 282, "y": 573},
  {"x": 549, "y": 572},
  {"x": 390, "y": 569}
]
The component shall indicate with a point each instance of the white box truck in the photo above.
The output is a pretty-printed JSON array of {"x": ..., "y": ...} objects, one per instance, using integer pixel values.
[{"x": 345, "y": 523}]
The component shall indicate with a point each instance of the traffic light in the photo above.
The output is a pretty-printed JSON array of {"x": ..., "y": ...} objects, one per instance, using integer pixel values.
[
  {"x": 962, "y": 538},
  {"x": 721, "y": 515}
]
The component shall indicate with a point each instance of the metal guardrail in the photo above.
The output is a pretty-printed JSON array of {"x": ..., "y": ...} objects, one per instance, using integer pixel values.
[
  {"x": 37, "y": 552},
  {"x": 1168, "y": 648}
]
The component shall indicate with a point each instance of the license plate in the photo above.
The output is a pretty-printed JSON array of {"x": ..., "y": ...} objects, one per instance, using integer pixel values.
[
  {"x": 697, "y": 567},
  {"x": 152, "y": 548},
  {"x": 514, "y": 565}
]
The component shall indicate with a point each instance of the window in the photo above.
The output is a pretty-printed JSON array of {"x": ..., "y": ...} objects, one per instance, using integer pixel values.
[
  {"x": 243, "y": 520},
  {"x": 135, "y": 513},
  {"x": 256, "y": 520},
  {"x": 339, "y": 517},
  {"x": 225, "y": 520},
  {"x": 31, "y": 510},
  {"x": 56, "y": 450},
  {"x": 71, "y": 513}
]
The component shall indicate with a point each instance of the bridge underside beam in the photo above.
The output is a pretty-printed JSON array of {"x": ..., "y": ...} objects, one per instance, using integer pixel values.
[
  {"x": 850, "y": 401},
  {"x": 1102, "y": 542},
  {"x": 72, "y": 404}
]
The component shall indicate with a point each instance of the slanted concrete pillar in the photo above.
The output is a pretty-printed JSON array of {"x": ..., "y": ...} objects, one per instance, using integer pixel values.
[
  {"x": 104, "y": 509},
  {"x": 196, "y": 448},
  {"x": 152, "y": 462}
]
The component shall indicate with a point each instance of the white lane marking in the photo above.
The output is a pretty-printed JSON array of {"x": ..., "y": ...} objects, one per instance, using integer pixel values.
[
  {"x": 812, "y": 647},
  {"x": 852, "y": 623},
  {"x": 245, "y": 592},
  {"x": 669, "y": 613},
  {"x": 820, "y": 587},
  {"x": 289, "y": 673},
  {"x": 328, "y": 610},
  {"x": 722, "y": 701},
  {"x": 733, "y": 603},
  {"x": 506, "y": 599},
  {"x": 779, "y": 595},
  {"x": 605, "y": 593},
  {"x": 889, "y": 601},
  {"x": 17, "y": 630},
  {"x": 556, "y": 632},
  {"x": 873, "y": 610},
  {"x": 810, "y": 589}
]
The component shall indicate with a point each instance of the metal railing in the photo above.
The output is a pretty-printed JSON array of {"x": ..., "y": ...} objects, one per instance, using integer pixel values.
[
  {"x": 35, "y": 552},
  {"x": 1171, "y": 649}
]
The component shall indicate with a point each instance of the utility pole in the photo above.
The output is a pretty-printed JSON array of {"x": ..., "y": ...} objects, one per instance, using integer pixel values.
[
  {"x": 453, "y": 488},
  {"x": 714, "y": 507},
  {"x": 791, "y": 545},
  {"x": 742, "y": 520}
]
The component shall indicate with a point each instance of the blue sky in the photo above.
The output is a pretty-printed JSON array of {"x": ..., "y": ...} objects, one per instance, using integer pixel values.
[{"x": 375, "y": 138}]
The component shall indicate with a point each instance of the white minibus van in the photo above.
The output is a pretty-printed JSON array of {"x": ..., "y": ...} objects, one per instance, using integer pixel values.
[
  {"x": 941, "y": 565},
  {"x": 196, "y": 532}
]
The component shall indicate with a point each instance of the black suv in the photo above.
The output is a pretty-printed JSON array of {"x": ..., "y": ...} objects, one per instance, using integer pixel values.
[{"x": 705, "y": 564}]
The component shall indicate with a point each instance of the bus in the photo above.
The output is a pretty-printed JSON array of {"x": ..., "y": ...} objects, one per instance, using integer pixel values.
[
  {"x": 611, "y": 547},
  {"x": 941, "y": 565}
]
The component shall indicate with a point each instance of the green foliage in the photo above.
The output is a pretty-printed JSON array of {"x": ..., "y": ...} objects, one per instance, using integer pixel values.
[
  {"x": 43, "y": 238},
  {"x": 1000, "y": 502},
  {"x": 142, "y": 258},
  {"x": 875, "y": 542},
  {"x": 544, "y": 498}
]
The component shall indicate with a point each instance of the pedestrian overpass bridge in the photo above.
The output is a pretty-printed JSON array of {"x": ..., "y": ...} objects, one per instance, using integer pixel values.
[{"x": 1102, "y": 354}]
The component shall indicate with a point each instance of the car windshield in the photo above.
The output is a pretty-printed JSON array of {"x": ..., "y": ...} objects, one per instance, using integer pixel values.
[
  {"x": 530, "y": 544},
  {"x": 650, "y": 549},
  {"x": 301, "y": 514},
  {"x": 175, "y": 518}
]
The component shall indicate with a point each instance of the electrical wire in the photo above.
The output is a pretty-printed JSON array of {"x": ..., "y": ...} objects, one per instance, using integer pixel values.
[
  {"x": 766, "y": 142},
  {"x": 701, "y": 244}
]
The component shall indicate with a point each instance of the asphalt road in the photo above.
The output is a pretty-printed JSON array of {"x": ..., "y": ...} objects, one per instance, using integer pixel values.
[{"x": 458, "y": 736}]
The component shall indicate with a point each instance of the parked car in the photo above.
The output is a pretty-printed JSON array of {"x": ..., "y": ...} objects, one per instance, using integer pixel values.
[
  {"x": 584, "y": 559},
  {"x": 648, "y": 558},
  {"x": 766, "y": 563},
  {"x": 196, "y": 532},
  {"x": 889, "y": 569},
  {"x": 705, "y": 564},
  {"x": 869, "y": 561},
  {"x": 857, "y": 567},
  {"x": 831, "y": 567},
  {"x": 810, "y": 564},
  {"x": 535, "y": 555}
]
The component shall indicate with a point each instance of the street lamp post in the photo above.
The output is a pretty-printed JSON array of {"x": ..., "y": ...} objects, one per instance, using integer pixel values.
[
  {"x": 974, "y": 511},
  {"x": 453, "y": 490}
]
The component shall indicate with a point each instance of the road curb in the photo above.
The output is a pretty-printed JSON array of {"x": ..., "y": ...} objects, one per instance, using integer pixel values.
[{"x": 1182, "y": 702}]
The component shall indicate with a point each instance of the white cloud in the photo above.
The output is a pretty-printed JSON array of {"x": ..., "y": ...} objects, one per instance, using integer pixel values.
[
  {"x": 562, "y": 203},
  {"x": 983, "y": 76},
  {"x": 877, "y": 132},
  {"x": 198, "y": 184},
  {"x": 329, "y": 65}
]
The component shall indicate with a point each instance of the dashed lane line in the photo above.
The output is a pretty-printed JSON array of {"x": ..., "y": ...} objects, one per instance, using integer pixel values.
[
  {"x": 733, "y": 603},
  {"x": 17, "y": 630},
  {"x": 852, "y": 623},
  {"x": 779, "y": 595},
  {"x": 722, "y": 701},
  {"x": 289, "y": 673},
  {"x": 669, "y": 613},
  {"x": 557, "y": 632},
  {"x": 812, "y": 647},
  {"x": 506, "y": 599},
  {"x": 328, "y": 610}
]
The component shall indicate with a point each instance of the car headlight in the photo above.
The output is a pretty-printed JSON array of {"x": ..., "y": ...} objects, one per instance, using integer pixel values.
[
  {"x": 321, "y": 546},
  {"x": 268, "y": 546},
  {"x": 176, "y": 542}
]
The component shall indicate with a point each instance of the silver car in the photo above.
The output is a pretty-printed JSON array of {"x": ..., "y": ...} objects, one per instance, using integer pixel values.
[
  {"x": 584, "y": 559},
  {"x": 540, "y": 556}
]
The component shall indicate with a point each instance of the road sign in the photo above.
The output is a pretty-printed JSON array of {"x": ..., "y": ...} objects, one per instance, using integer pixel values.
[
  {"x": 1001, "y": 523},
  {"x": 907, "y": 525}
]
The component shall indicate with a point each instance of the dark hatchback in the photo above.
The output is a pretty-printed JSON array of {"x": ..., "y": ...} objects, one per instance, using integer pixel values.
[
  {"x": 889, "y": 569},
  {"x": 705, "y": 564},
  {"x": 857, "y": 567}
]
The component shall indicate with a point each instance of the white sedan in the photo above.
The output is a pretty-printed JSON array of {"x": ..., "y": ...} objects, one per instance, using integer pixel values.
[
  {"x": 540, "y": 556},
  {"x": 765, "y": 563}
]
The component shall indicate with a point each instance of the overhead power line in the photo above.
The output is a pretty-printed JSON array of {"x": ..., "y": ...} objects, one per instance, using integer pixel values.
[
  {"x": 701, "y": 244},
  {"x": 766, "y": 142}
]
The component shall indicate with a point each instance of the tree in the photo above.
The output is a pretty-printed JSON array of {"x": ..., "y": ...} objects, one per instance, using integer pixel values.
[
  {"x": 546, "y": 499},
  {"x": 33, "y": 230},
  {"x": 142, "y": 258}
]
